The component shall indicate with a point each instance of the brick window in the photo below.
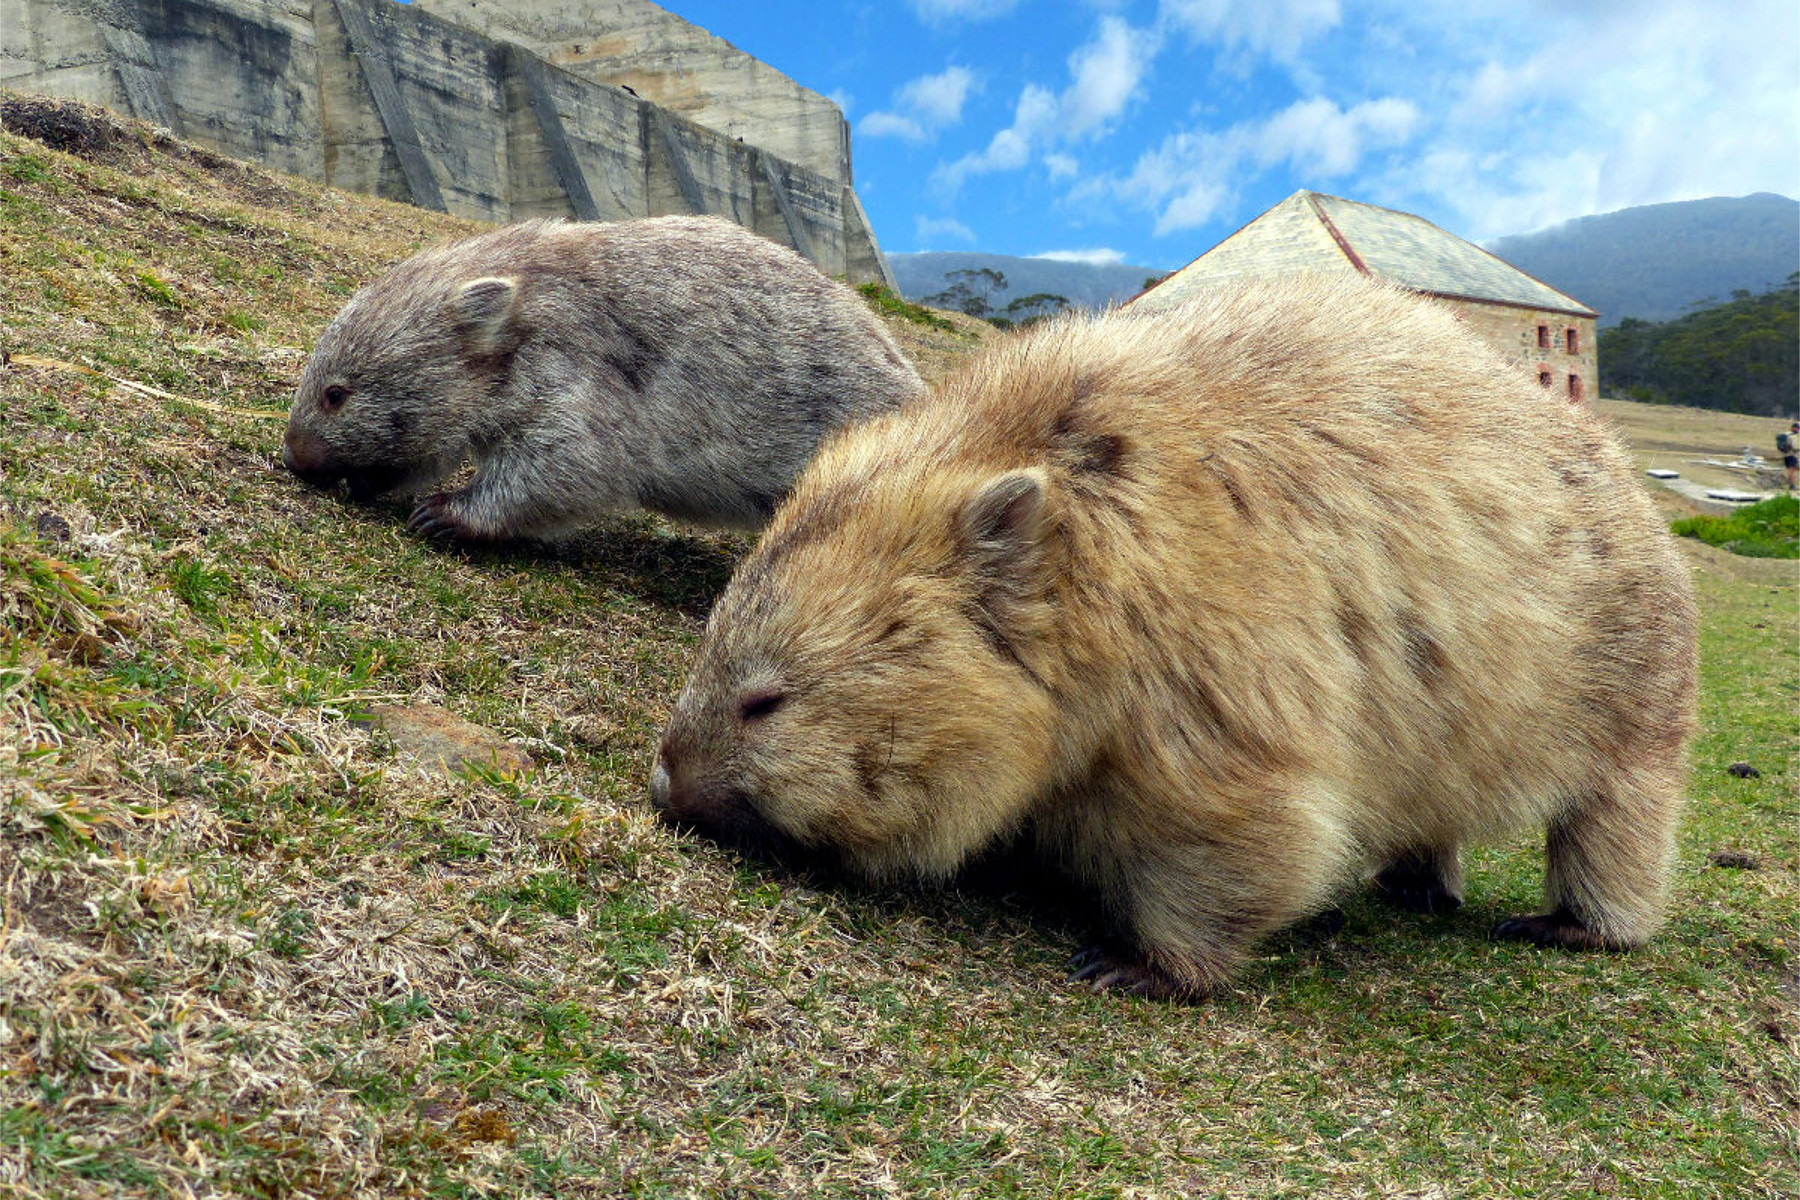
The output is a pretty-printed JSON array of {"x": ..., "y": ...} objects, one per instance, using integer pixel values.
[
  {"x": 1543, "y": 379},
  {"x": 1574, "y": 387},
  {"x": 1543, "y": 337},
  {"x": 1572, "y": 340}
]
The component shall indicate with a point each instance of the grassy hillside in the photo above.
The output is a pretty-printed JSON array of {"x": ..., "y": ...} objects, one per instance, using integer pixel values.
[{"x": 252, "y": 945}]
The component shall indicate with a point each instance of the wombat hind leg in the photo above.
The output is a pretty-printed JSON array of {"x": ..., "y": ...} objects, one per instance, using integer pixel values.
[
  {"x": 1426, "y": 879},
  {"x": 1606, "y": 866}
]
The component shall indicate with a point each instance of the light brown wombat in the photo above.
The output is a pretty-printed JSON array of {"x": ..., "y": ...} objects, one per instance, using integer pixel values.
[
  {"x": 1218, "y": 610},
  {"x": 682, "y": 365}
]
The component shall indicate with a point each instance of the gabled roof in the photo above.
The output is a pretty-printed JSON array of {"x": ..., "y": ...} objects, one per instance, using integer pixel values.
[{"x": 1310, "y": 231}]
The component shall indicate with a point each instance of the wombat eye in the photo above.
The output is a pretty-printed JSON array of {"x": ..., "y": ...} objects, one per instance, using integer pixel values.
[
  {"x": 760, "y": 704},
  {"x": 335, "y": 396}
]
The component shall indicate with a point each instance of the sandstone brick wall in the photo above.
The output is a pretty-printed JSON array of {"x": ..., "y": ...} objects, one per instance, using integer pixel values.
[{"x": 1515, "y": 333}]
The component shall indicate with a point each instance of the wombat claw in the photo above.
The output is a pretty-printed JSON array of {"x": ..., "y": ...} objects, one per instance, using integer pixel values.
[
  {"x": 432, "y": 520},
  {"x": 1560, "y": 928},
  {"x": 1105, "y": 970}
]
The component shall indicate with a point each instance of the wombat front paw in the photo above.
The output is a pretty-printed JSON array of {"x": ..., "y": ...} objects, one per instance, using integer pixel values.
[
  {"x": 433, "y": 518},
  {"x": 1560, "y": 928},
  {"x": 1108, "y": 969}
]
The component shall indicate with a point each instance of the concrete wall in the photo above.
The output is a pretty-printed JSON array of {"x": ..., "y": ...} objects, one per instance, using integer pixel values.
[
  {"x": 1514, "y": 332},
  {"x": 378, "y": 97},
  {"x": 636, "y": 44}
]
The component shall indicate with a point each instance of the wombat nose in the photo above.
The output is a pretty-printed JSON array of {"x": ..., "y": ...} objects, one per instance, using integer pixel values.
[
  {"x": 659, "y": 785},
  {"x": 304, "y": 455}
]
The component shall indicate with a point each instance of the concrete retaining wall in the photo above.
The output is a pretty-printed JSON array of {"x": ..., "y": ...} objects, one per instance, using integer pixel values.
[
  {"x": 388, "y": 99},
  {"x": 668, "y": 61}
]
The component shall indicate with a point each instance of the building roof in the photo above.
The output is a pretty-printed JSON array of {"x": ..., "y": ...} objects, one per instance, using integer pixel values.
[{"x": 1310, "y": 231}]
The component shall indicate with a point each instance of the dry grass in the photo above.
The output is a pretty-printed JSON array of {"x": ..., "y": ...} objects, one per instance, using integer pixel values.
[
  {"x": 249, "y": 946},
  {"x": 1677, "y": 439}
]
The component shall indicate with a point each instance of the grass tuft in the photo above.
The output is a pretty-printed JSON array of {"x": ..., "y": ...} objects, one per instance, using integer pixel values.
[{"x": 885, "y": 300}]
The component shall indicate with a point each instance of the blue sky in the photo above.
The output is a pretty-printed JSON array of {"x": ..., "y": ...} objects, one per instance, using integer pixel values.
[{"x": 1145, "y": 131}]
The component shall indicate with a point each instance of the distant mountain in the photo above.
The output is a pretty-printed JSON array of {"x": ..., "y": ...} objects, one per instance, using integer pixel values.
[
  {"x": 1085, "y": 285},
  {"x": 1659, "y": 261}
]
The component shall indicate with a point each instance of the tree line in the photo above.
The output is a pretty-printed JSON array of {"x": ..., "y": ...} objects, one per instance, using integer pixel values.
[
  {"x": 1739, "y": 356},
  {"x": 972, "y": 291}
]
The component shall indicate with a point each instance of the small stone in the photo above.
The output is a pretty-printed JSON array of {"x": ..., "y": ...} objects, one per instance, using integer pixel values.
[
  {"x": 1734, "y": 860},
  {"x": 432, "y": 734},
  {"x": 51, "y": 527},
  {"x": 1743, "y": 770}
]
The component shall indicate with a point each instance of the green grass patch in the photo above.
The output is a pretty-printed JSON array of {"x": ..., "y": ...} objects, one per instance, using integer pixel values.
[
  {"x": 26, "y": 168},
  {"x": 1767, "y": 529},
  {"x": 886, "y": 300},
  {"x": 157, "y": 290},
  {"x": 42, "y": 595}
]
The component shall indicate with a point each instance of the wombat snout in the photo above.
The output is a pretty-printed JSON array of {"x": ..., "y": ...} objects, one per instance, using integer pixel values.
[
  {"x": 725, "y": 815},
  {"x": 313, "y": 462},
  {"x": 309, "y": 459},
  {"x": 681, "y": 801},
  {"x": 659, "y": 786}
]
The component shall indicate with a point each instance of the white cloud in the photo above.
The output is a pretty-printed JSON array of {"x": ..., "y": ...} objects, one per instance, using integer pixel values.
[
  {"x": 887, "y": 124},
  {"x": 1034, "y": 117},
  {"x": 1193, "y": 175},
  {"x": 1489, "y": 117},
  {"x": 1277, "y": 28},
  {"x": 1593, "y": 108},
  {"x": 938, "y": 99},
  {"x": 1098, "y": 257},
  {"x": 844, "y": 100},
  {"x": 1497, "y": 121},
  {"x": 1107, "y": 71},
  {"x": 1197, "y": 203},
  {"x": 938, "y": 12},
  {"x": 923, "y": 106},
  {"x": 928, "y": 228},
  {"x": 1321, "y": 139}
]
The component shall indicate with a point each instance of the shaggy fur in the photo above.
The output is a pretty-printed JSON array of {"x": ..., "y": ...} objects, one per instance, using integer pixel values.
[
  {"x": 1221, "y": 609},
  {"x": 682, "y": 365}
]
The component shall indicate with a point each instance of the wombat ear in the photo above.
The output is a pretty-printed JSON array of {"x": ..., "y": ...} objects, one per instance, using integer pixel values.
[
  {"x": 1008, "y": 512},
  {"x": 484, "y": 311},
  {"x": 1002, "y": 525}
]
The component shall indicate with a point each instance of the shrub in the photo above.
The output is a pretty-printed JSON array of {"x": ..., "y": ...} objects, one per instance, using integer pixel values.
[{"x": 1767, "y": 529}]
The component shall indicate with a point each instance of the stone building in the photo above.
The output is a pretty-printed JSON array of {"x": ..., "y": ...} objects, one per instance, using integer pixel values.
[
  {"x": 1545, "y": 332},
  {"x": 594, "y": 109}
]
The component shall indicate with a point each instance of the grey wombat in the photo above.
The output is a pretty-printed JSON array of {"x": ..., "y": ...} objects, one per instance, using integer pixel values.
[
  {"x": 1219, "y": 610},
  {"x": 682, "y": 365}
]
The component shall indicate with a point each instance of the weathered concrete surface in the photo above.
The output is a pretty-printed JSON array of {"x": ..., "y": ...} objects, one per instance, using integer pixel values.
[
  {"x": 388, "y": 99},
  {"x": 683, "y": 68}
]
